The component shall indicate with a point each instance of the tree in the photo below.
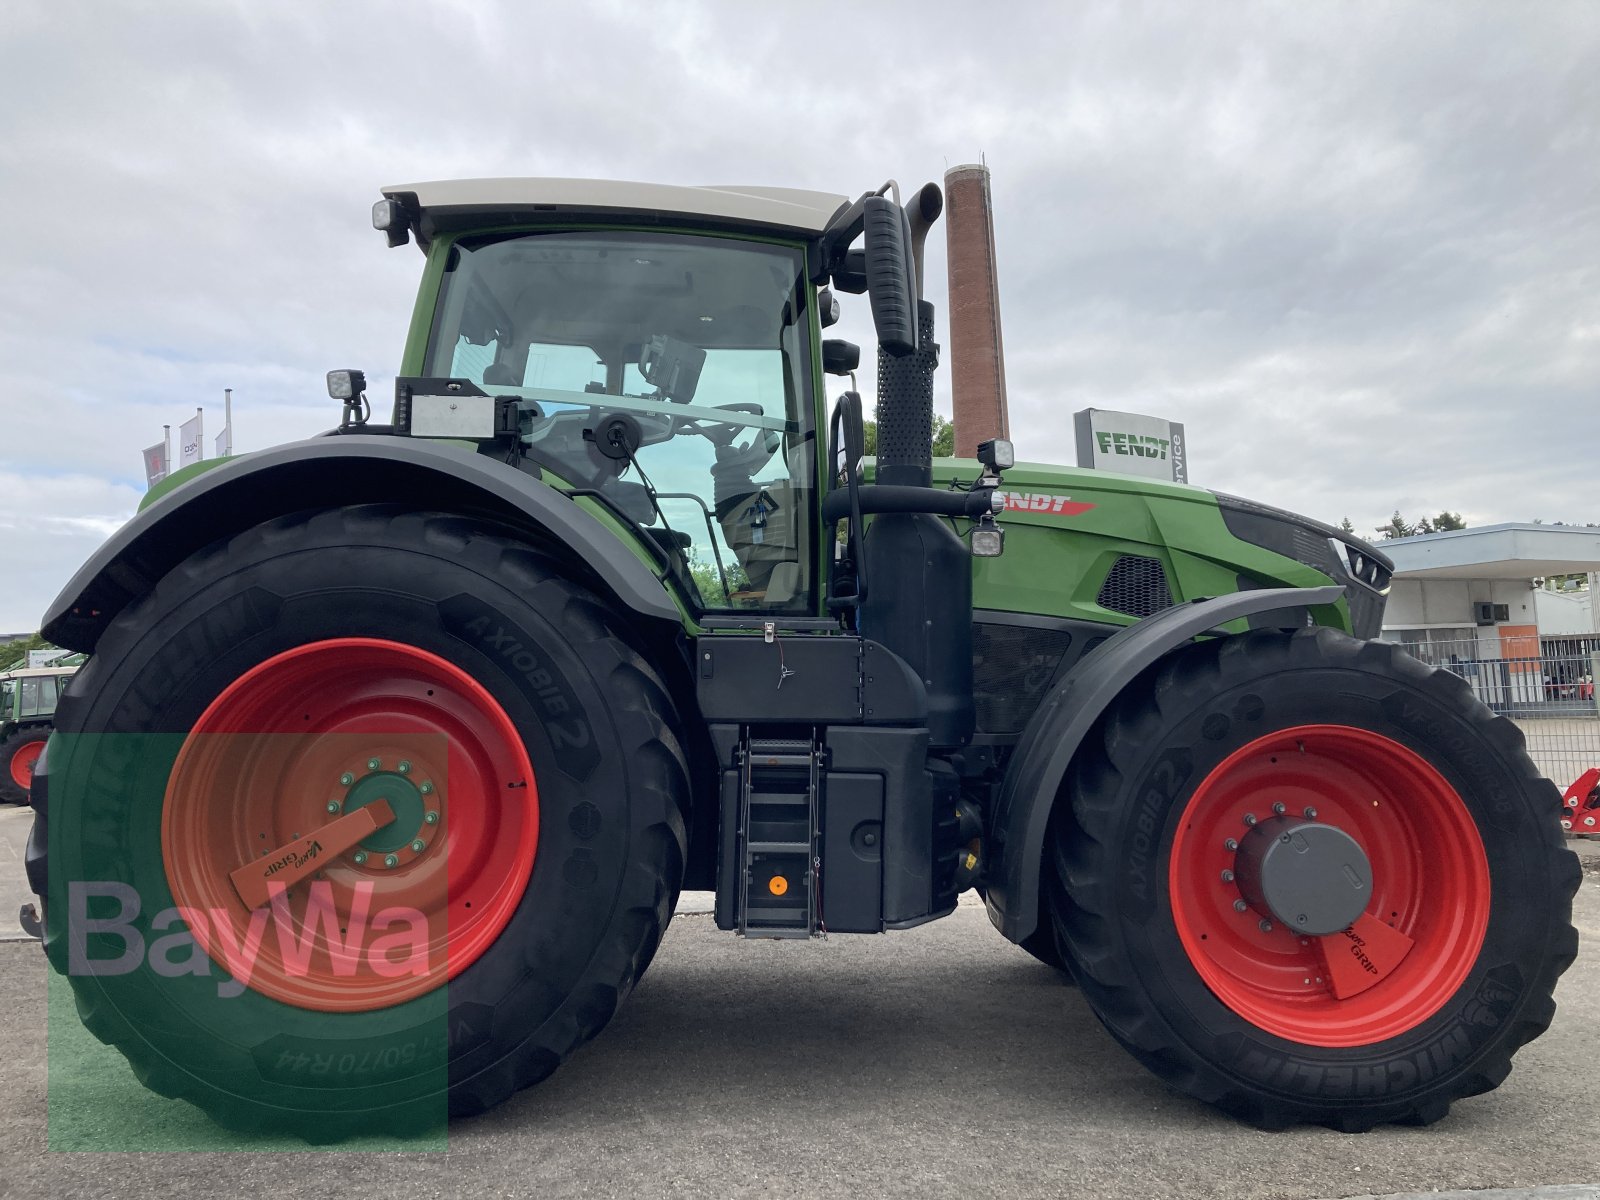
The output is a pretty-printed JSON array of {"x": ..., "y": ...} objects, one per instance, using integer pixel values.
[
  {"x": 1344, "y": 524},
  {"x": 15, "y": 653},
  {"x": 1397, "y": 527},
  {"x": 944, "y": 437}
]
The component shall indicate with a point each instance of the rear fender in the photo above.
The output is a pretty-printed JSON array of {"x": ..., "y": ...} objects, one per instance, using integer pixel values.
[
  {"x": 1052, "y": 737},
  {"x": 330, "y": 472}
]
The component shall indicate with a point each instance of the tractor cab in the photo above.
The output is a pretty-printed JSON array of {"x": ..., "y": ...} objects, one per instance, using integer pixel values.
[{"x": 660, "y": 350}]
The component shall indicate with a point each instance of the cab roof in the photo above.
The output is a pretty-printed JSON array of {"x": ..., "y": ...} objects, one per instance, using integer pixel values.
[{"x": 447, "y": 205}]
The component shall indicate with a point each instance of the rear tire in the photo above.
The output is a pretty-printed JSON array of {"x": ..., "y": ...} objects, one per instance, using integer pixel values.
[
  {"x": 1186, "y": 981},
  {"x": 18, "y": 752},
  {"x": 606, "y": 798}
]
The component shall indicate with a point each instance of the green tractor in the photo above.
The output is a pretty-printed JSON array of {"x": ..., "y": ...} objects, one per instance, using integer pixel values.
[
  {"x": 27, "y": 706},
  {"x": 613, "y": 604}
]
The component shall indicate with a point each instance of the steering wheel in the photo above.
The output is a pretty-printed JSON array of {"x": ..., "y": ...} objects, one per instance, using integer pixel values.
[{"x": 718, "y": 434}]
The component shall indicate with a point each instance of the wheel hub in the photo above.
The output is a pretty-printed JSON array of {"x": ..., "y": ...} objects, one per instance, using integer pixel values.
[
  {"x": 415, "y": 802},
  {"x": 1311, "y": 877}
]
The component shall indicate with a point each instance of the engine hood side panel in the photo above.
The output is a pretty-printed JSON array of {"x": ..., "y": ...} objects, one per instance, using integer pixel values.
[{"x": 1066, "y": 527}]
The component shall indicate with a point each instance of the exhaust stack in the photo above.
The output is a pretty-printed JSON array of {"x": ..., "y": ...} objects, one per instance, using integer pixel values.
[
  {"x": 921, "y": 601},
  {"x": 905, "y": 382}
]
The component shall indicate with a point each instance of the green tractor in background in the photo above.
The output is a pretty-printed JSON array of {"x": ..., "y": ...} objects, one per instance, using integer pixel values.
[
  {"x": 613, "y": 604},
  {"x": 27, "y": 706}
]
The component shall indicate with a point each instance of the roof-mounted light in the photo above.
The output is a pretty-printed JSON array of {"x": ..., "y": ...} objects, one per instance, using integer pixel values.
[{"x": 389, "y": 218}]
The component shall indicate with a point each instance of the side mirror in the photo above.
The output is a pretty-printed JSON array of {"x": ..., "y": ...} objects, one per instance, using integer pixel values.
[
  {"x": 891, "y": 275},
  {"x": 840, "y": 357}
]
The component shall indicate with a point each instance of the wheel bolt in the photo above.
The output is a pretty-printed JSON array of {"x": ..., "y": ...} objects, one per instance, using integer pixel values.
[
  {"x": 404, "y": 768},
  {"x": 1227, "y": 876},
  {"x": 333, "y": 806},
  {"x": 419, "y": 845},
  {"x": 391, "y": 860},
  {"x": 1231, "y": 844},
  {"x": 1279, "y": 809},
  {"x": 1239, "y": 906},
  {"x": 431, "y": 817},
  {"x": 346, "y": 779},
  {"x": 374, "y": 763},
  {"x": 1249, "y": 818},
  {"x": 1300, "y": 920},
  {"x": 1265, "y": 926},
  {"x": 1311, "y": 813},
  {"x": 360, "y": 857},
  {"x": 426, "y": 789}
]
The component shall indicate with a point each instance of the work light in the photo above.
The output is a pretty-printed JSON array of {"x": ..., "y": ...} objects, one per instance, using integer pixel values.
[{"x": 346, "y": 385}]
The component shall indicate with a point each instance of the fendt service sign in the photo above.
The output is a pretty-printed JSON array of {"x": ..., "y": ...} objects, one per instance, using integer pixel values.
[{"x": 1131, "y": 444}]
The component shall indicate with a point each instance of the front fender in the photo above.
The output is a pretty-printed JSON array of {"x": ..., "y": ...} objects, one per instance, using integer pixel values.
[
  {"x": 1052, "y": 737},
  {"x": 331, "y": 472}
]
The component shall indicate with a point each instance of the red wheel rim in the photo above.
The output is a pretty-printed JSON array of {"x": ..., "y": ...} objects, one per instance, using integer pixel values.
[
  {"x": 316, "y": 732},
  {"x": 22, "y": 763},
  {"x": 1430, "y": 881}
]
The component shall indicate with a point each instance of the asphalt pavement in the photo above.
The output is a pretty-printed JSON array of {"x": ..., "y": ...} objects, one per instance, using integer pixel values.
[{"x": 939, "y": 1061}]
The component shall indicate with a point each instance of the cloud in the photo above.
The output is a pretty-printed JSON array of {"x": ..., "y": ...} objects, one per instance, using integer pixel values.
[{"x": 1353, "y": 248}]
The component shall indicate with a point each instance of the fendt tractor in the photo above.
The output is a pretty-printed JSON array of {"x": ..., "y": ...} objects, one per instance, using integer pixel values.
[
  {"x": 615, "y": 604},
  {"x": 27, "y": 704}
]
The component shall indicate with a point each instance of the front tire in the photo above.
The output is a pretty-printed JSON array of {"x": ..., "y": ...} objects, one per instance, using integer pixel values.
[
  {"x": 1470, "y": 888},
  {"x": 303, "y": 670}
]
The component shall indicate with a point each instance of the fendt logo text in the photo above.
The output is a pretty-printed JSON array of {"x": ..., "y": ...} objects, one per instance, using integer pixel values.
[
  {"x": 1137, "y": 444},
  {"x": 1043, "y": 502}
]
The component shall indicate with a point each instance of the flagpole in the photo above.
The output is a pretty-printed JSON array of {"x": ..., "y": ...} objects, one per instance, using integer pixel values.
[
  {"x": 200, "y": 431},
  {"x": 166, "y": 440},
  {"x": 227, "y": 415}
]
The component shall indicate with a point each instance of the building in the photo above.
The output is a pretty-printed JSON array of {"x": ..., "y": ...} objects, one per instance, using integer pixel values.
[{"x": 1477, "y": 601}]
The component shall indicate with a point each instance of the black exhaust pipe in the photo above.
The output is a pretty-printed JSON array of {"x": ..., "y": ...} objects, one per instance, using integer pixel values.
[
  {"x": 921, "y": 601},
  {"x": 905, "y": 382}
]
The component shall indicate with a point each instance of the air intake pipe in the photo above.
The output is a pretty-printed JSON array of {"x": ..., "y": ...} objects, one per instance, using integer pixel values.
[
  {"x": 920, "y": 605},
  {"x": 905, "y": 382}
]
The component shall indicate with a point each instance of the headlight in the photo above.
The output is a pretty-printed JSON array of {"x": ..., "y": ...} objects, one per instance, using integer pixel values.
[{"x": 1364, "y": 570}]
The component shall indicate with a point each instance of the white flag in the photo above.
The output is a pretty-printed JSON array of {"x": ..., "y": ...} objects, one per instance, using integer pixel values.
[
  {"x": 225, "y": 442},
  {"x": 155, "y": 464},
  {"x": 191, "y": 445}
]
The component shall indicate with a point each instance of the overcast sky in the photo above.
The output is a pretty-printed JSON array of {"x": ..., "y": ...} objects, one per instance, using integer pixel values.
[{"x": 1352, "y": 246}]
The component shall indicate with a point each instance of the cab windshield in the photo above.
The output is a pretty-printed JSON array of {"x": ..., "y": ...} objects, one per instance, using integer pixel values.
[{"x": 666, "y": 373}]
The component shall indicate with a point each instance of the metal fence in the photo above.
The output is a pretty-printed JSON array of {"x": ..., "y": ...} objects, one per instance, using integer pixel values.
[{"x": 1545, "y": 685}]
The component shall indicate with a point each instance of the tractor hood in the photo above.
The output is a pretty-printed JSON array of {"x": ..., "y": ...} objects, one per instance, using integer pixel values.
[{"x": 1210, "y": 543}]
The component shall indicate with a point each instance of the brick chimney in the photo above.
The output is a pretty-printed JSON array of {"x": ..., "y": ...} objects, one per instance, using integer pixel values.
[{"x": 977, "y": 359}]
